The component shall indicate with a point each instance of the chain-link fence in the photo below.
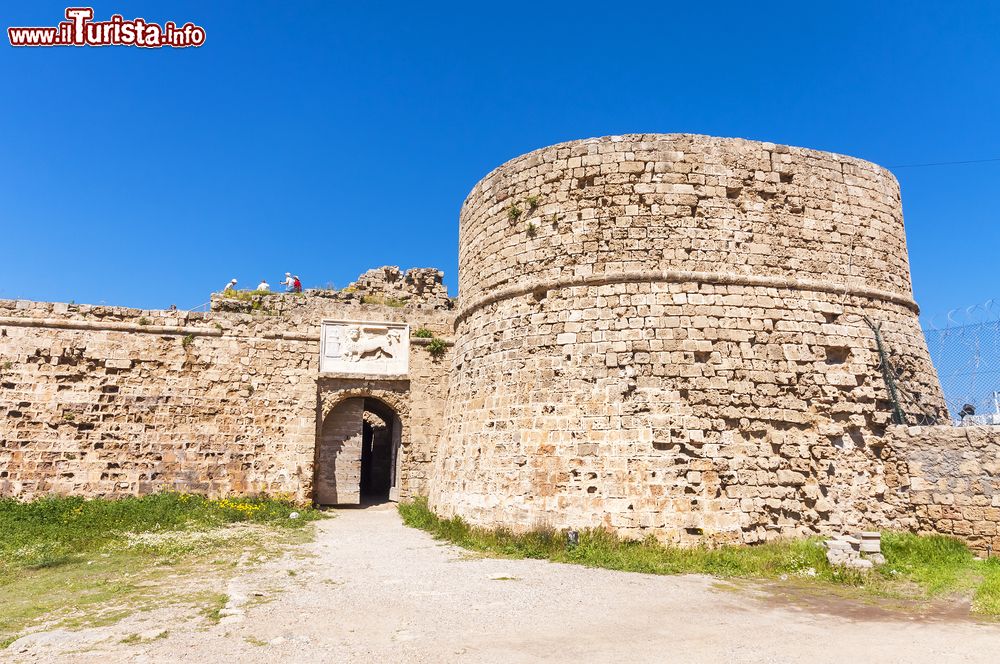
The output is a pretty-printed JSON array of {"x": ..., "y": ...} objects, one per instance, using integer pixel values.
[{"x": 967, "y": 359}]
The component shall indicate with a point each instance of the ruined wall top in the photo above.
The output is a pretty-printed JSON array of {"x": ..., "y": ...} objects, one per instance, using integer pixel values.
[
  {"x": 419, "y": 285},
  {"x": 417, "y": 288}
]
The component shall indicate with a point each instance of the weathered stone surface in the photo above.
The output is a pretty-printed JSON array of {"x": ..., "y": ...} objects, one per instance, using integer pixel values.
[
  {"x": 658, "y": 334},
  {"x": 858, "y": 552},
  {"x": 103, "y": 401},
  {"x": 352, "y": 347},
  {"x": 950, "y": 478},
  {"x": 663, "y": 334}
]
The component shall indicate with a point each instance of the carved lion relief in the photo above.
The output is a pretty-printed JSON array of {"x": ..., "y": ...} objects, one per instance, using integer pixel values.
[{"x": 357, "y": 347}]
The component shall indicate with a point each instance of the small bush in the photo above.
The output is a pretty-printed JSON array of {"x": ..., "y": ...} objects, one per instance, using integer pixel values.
[
  {"x": 513, "y": 213},
  {"x": 532, "y": 230},
  {"x": 187, "y": 340},
  {"x": 143, "y": 320},
  {"x": 423, "y": 333},
  {"x": 437, "y": 347},
  {"x": 532, "y": 202}
]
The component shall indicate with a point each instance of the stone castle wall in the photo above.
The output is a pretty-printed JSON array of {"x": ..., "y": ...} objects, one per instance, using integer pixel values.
[
  {"x": 951, "y": 476},
  {"x": 103, "y": 401},
  {"x": 664, "y": 334},
  {"x": 658, "y": 334}
]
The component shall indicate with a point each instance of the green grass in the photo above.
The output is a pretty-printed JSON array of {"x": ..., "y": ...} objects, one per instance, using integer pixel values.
[
  {"x": 917, "y": 567},
  {"x": 380, "y": 299},
  {"x": 73, "y": 562},
  {"x": 986, "y": 599},
  {"x": 215, "y": 606},
  {"x": 437, "y": 347},
  {"x": 52, "y": 531},
  {"x": 244, "y": 295}
]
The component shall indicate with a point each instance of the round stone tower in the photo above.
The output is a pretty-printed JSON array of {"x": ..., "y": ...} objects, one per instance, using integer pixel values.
[{"x": 673, "y": 335}]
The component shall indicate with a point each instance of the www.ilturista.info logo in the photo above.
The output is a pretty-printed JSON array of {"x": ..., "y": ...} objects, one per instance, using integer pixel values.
[{"x": 81, "y": 30}]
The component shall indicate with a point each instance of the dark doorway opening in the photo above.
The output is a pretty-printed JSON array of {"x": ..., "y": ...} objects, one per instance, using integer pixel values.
[{"x": 378, "y": 451}]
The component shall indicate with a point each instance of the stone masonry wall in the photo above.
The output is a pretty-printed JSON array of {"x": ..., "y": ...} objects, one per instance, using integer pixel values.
[
  {"x": 952, "y": 478},
  {"x": 102, "y": 401},
  {"x": 664, "y": 335}
]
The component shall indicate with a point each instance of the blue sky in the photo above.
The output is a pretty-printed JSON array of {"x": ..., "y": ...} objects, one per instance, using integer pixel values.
[{"x": 326, "y": 137}]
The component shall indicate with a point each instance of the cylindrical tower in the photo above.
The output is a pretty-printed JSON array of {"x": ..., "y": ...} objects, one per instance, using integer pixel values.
[{"x": 671, "y": 335}]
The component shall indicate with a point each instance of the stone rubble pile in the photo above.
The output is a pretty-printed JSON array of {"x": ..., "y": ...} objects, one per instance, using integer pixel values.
[
  {"x": 859, "y": 551},
  {"x": 387, "y": 285},
  {"x": 414, "y": 286}
]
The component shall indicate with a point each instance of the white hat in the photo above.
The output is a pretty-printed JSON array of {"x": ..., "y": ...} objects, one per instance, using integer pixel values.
[{"x": 233, "y": 281}]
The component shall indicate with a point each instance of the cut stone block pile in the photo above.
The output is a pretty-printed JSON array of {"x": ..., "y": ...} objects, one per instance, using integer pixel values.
[{"x": 858, "y": 551}]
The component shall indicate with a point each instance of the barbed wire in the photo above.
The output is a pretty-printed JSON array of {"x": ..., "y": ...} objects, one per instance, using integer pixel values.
[
  {"x": 966, "y": 354},
  {"x": 985, "y": 312}
]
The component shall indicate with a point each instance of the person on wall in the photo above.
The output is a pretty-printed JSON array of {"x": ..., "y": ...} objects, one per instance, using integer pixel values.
[
  {"x": 264, "y": 286},
  {"x": 288, "y": 282},
  {"x": 296, "y": 284}
]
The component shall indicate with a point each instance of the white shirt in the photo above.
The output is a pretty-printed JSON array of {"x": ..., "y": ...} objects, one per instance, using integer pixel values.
[{"x": 263, "y": 286}]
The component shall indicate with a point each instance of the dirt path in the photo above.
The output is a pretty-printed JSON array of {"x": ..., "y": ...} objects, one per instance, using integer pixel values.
[{"x": 376, "y": 591}]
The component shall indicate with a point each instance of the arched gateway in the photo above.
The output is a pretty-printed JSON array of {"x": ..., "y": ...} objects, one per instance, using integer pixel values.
[
  {"x": 363, "y": 382},
  {"x": 357, "y": 456}
]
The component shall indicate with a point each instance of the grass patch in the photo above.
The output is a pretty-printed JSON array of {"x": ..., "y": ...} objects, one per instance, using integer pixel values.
[
  {"x": 54, "y": 531},
  {"x": 244, "y": 295},
  {"x": 72, "y": 562},
  {"x": 380, "y": 299},
  {"x": 917, "y": 567},
  {"x": 217, "y": 602},
  {"x": 986, "y": 599}
]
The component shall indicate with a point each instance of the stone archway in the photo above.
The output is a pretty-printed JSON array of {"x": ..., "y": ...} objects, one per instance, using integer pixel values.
[{"x": 358, "y": 452}]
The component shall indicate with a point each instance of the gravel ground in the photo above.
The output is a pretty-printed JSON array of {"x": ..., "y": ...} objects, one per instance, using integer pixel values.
[{"x": 371, "y": 590}]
